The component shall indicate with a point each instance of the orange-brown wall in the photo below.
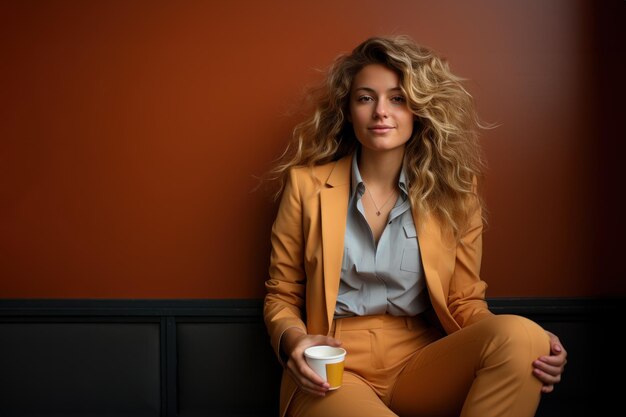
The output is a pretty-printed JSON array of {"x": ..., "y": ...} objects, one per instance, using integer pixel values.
[{"x": 132, "y": 131}]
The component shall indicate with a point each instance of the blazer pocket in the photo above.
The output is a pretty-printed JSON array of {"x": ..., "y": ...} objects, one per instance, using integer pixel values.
[{"x": 410, "y": 260}]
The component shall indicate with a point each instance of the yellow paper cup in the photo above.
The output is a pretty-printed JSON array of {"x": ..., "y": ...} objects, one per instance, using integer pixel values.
[{"x": 327, "y": 362}]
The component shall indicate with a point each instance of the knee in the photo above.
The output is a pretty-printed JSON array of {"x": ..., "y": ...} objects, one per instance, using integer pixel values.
[{"x": 518, "y": 338}]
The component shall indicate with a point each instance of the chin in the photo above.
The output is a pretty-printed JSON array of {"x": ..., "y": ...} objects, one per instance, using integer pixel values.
[{"x": 382, "y": 147}]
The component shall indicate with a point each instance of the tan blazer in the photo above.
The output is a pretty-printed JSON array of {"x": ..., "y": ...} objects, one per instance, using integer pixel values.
[{"x": 307, "y": 252}]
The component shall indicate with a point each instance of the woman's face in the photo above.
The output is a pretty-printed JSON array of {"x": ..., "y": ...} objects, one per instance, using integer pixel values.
[{"x": 378, "y": 110}]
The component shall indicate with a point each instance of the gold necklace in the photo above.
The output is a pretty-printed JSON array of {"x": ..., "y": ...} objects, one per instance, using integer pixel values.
[{"x": 372, "y": 198}]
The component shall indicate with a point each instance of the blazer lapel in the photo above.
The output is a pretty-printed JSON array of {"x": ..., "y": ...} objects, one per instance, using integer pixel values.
[
  {"x": 334, "y": 199},
  {"x": 431, "y": 249}
]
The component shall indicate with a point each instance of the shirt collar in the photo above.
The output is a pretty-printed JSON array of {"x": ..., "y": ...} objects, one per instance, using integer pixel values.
[
  {"x": 359, "y": 186},
  {"x": 356, "y": 180},
  {"x": 403, "y": 182}
]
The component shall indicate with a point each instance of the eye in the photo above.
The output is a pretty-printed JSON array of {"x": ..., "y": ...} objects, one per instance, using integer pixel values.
[
  {"x": 398, "y": 99},
  {"x": 365, "y": 99}
]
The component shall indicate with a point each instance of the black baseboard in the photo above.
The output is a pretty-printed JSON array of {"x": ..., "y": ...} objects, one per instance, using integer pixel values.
[{"x": 176, "y": 358}]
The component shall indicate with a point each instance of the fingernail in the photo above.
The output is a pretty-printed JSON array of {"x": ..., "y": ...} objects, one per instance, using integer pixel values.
[{"x": 557, "y": 348}]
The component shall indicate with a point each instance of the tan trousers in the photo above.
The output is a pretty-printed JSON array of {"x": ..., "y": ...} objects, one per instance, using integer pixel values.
[{"x": 400, "y": 366}]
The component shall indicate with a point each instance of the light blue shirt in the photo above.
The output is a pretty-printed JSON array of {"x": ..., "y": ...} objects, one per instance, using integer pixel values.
[{"x": 384, "y": 278}]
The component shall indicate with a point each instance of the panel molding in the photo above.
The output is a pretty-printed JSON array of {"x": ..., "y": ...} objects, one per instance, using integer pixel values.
[{"x": 228, "y": 309}]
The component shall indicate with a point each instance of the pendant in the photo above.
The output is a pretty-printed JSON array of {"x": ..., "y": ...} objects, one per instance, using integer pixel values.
[{"x": 378, "y": 213}]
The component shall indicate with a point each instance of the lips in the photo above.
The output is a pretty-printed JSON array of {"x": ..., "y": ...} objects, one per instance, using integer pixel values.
[{"x": 380, "y": 128}]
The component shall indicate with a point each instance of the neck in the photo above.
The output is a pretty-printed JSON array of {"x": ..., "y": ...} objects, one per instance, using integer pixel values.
[{"x": 381, "y": 169}]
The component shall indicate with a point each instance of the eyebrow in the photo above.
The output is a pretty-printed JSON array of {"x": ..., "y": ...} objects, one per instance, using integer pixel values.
[{"x": 371, "y": 90}]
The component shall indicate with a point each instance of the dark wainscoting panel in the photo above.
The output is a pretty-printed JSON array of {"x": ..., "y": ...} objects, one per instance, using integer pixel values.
[
  {"x": 226, "y": 369},
  {"x": 98, "y": 369},
  {"x": 184, "y": 358}
]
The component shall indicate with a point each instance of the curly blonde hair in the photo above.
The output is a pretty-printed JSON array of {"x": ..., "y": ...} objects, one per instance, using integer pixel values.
[{"x": 443, "y": 158}]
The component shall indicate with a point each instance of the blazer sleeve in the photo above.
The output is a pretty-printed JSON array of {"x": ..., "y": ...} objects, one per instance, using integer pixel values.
[
  {"x": 285, "y": 289},
  {"x": 466, "y": 299}
]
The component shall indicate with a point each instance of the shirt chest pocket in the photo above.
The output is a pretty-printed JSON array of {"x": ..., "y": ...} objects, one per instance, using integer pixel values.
[{"x": 410, "y": 253}]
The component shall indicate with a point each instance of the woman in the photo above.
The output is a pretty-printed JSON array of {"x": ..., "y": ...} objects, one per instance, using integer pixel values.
[{"x": 377, "y": 247}]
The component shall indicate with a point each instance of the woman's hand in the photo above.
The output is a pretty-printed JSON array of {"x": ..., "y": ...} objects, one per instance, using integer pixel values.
[
  {"x": 548, "y": 369},
  {"x": 293, "y": 344}
]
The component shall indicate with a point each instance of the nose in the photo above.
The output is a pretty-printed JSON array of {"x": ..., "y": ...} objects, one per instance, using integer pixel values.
[{"x": 380, "y": 111}]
